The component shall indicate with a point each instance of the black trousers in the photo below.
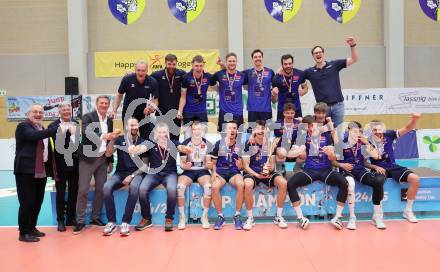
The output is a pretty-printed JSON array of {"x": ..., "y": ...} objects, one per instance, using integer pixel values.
[
  {"x": 69, "y": 180},
  {"x": 30, "y": 192}
]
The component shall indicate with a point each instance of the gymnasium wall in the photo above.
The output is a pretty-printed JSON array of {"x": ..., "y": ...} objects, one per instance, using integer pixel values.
[{"x": 422, "y": 41}]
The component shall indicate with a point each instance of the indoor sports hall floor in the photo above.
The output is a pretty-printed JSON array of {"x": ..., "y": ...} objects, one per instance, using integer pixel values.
[{"x": 402, "y": 247}]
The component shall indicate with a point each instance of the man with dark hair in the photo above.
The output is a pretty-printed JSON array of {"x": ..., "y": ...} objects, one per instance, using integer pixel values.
[
  {"x": 324, "y": 77},
  {"x": 259, "y": 165},
  {"x": 230, "y": 86},
  {"x": 288, "y": 86},
  {"x": 386, "y": 165},
  {"x": 135, "y": 86},
  {"x": 195, "y": 86},
  {"x": 355, "y": 148},
  {"x": 227, "y": 166},
  {"x": 287, "y": 133},
  {"x": 93, "y": 161},
  {"x": 125, "y": 175},
  {"x": 259, "y": 87},
  {"x": 318, "y": 154},
  {"x": 170, "y": 86}
]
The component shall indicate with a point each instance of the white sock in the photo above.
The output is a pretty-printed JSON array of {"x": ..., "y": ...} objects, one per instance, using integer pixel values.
[
  {"x": 339, "y": 211},
  {"x": 250, "y": 215},
  {"x": 299, "y": 213},
  {"x": 409, "y": 205},
  {"x": 205, "y": 212},
  {"x": 351, "y": 208},
  {"x": 279, "y": 212},
  {"x": 237, "y": 213},
  {"x": 221, "y": 215},
  {"x": 377, "y": 210},
  {"x": 351, "y": 196},
  {"x": 182, "y": 212}
]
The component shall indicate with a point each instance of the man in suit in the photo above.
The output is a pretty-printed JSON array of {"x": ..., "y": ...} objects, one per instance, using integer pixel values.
[
  {"x": 67, "y": 167},
  {"x": 97, "y": 130},
  {"x": 31, "y": 170}
]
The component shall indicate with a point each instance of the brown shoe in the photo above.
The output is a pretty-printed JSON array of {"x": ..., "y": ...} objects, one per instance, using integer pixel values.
[
  {"x": 169, "y": 224},
  {"x": 145, "y": 223}
]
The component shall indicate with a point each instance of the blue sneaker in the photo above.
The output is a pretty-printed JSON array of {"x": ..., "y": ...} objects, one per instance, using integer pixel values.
[
  {"x": 219, "y": 223},
  {"x": 237, "y": 222}
]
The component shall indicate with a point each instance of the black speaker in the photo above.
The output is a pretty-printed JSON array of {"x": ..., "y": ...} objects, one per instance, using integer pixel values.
[{"x": 71, "y": 86}]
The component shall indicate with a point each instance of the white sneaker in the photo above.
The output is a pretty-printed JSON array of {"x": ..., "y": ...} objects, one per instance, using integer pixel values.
[
  {"x": 351, "y": 223},
  {"x": 378, "y": 222},
  {"x": 303, "y": 223},
  {"x": 249, "y": 224},
  {"x": 281, "y": 222},
  {"x": 337, "y": 223},
  {"x": 182, "y": 223},
  {"x": 410, "y": 216},
  {"x": 205, "y": 222},
  {"x": 109, "y": 229},
  {"x": 124, "y": 229}
]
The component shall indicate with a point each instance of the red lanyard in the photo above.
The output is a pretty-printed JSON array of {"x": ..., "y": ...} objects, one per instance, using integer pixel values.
[
  {"x": 170, "y": 83},
  {"x": 288, "y": 83},
  {"x": 198, "y": 85}
]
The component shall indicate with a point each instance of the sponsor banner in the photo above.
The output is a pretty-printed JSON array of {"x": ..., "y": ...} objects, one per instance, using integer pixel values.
[
  {"x": 17, "y": 106},
  {"x": 431, "y": 8},
  {"x": 391, "y": 101},
  {"x": 283, "y": 10},
  {"x": 117, "y": 64},
  {"x": 127, "y": 11},
  {"x": 428, "y": 194},
  {"x": 342, "y": 11},
  {"x": 89, "y": 104},
  {"x": 186, "y": 11},
  {"x": 428, "y": 143}
]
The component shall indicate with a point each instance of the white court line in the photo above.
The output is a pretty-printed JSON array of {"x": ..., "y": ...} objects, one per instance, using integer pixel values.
[{"x": 12, "y": 191}]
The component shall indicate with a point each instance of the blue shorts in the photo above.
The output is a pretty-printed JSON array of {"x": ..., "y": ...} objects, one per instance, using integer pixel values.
[
  {"x": 270, "y": 181},
  {"x": 194, "y": 175},
  {"x": 228, "y": 175}
]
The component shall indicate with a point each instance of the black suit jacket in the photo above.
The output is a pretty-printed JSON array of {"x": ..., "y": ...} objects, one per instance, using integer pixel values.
[
  {"x": 87, "y": 119},
  {"x": 58, "y": 160},
  {"x": 26, "y": 139}
]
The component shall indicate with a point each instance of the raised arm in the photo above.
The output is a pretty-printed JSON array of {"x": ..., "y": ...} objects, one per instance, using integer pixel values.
[
  {"x": 354, "y": 53},
  {"x": 411, "y": 125}
]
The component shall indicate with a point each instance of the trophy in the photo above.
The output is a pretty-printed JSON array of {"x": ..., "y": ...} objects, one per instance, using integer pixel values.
[{"x": 266, "y": 170}]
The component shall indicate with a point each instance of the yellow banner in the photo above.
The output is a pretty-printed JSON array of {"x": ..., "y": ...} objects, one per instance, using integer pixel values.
[{"x": 117, "y": 64}]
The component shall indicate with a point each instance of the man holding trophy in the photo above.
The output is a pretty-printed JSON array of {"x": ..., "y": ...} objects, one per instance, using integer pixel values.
[
  {"x": 259, "y": 164},
  {"x": 195, "y": 167}
]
